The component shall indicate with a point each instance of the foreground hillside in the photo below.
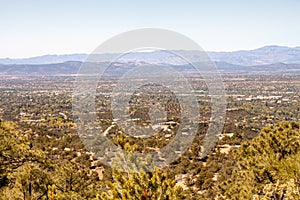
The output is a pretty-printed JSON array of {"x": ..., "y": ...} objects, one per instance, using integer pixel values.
[
  {"x": 268, "y": 167},
  {"x": 265, "y": 168}
]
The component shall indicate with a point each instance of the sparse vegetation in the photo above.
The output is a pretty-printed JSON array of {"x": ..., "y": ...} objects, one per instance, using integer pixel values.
[{"x": 42, "y": 156}]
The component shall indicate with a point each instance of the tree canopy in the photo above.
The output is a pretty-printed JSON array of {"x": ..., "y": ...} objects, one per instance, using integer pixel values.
[{"x": 268, "y": 167}]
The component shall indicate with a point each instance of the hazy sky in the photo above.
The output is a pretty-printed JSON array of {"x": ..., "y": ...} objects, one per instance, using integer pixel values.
[{"x": 31, "y": 28}]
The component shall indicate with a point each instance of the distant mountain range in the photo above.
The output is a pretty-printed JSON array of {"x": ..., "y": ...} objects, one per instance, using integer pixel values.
[
  {"x": 263, "y": 56},
  {"x": 72, "y": 68},
  {"x": 265, "y": 60},
  {"x": 66, "y": 68},
  {"x": 46, "y": 59}
]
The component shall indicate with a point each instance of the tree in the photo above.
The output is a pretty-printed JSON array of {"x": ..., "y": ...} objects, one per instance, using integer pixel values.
[
  {"x": 30, "y": 181},
  {"x": 26, "y": 173},
  {"x": 21, "y": 172},
  {"x": 75, "y": 181},
  {"x": 150, "y": 185},
  {"x": 144, "y": 185},
  {"x": 268, "y": 167}
]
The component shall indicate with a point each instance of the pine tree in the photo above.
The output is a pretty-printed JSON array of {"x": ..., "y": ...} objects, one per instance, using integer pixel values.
[
  {"x": 26, "y": 173},
  {"x": 74, "y": 181},
  {"x": 268, "y": 167},
  {"x": 20, "y": 165},
  {"x": 145, "y": 185}
]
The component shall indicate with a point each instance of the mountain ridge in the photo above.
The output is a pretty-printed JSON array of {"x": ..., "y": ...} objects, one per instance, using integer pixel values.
[
  {"x": 72, "y": 68},
  {"x": 260, "y": 56}
]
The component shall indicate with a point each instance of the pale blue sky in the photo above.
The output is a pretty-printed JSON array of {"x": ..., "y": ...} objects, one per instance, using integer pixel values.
[{"x": 31, "y": 28}]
